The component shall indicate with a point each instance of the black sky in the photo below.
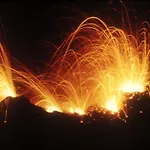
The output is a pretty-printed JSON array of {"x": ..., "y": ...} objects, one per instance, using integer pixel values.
[{"x": 27, "y": 25}]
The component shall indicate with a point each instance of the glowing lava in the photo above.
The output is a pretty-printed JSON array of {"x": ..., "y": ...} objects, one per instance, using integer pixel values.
[
  {"x": 7, "y": 87},
  {"x": 77, "y": 110},
  {"x": 111, "y": 105},
  {"x": 97, "y": 65},
  {"x": 105, "y": 61},
  {"x": 51, "y": 109},
  {"x": 131, "y": 87}
]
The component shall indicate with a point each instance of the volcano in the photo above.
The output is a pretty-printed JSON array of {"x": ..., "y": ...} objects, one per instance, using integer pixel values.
[{"x": 27, "y": 126}]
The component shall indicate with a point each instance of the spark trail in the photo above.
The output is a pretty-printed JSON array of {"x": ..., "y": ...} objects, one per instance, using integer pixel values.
[
  {"x": 7, "y": 87},
  {"x": 100, "y": 64},
  {"x": 95, "y": 67}
]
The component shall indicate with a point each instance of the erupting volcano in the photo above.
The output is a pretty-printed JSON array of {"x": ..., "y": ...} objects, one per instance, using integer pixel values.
[{"x": 95, "y": 68}]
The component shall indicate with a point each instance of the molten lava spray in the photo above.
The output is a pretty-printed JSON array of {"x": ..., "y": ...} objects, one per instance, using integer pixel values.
[
  {"x": 97, "y": 65},
  {"x": 7, "y": 87}
]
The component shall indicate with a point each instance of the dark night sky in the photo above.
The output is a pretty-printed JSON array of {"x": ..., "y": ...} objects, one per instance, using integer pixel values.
[{"x": 27, "y": 25}]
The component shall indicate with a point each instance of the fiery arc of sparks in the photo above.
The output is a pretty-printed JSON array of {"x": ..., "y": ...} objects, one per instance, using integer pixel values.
[
  {"x": 96, "y": 65},
  {"x": 107, "y": 62},
  {"x": 7, "y": 87}
]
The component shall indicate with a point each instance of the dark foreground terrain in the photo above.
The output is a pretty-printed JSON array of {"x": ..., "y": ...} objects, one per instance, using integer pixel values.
[{"x": 30, "y": 127}]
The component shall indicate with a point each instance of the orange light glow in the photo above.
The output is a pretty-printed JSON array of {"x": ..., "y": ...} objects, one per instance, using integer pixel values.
[
  {"x": 77, "y": 110},
  {"x": 97, "y": 65},
  {"x": 131, "y": 87},
  {"x": 51, "y": 109},
  {"x": 7, "y": 87},
  {"x": 111, "y": 105}
]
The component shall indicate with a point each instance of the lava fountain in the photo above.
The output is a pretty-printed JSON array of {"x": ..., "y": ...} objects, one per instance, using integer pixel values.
[
  {"x": 100, "y": 64},
  {"x": 37, "y": 90},
  {"x": 7, "y": 87},
  {"x": 97, "y": 65}
]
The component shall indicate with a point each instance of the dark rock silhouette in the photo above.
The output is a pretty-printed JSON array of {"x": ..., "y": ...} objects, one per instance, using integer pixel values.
[{"x": 29, "y": 126}]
